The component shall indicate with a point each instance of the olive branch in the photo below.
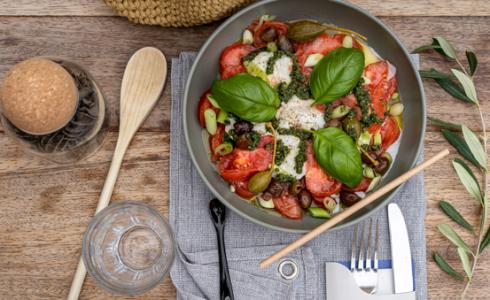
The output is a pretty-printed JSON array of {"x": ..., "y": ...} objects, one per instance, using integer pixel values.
[{"x": 459, "y": 84}]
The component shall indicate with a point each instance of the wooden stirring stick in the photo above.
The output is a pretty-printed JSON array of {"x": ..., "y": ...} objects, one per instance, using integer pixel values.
[
  {"x": 351, "y": 210},
  {"x": 141, "y": 87}
]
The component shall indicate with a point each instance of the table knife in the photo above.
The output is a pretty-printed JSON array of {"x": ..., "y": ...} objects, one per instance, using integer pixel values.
[{"x": 400, "y": 251}]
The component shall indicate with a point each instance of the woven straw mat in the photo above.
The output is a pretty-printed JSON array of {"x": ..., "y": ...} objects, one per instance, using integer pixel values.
[{"x": 175, "y": 13}]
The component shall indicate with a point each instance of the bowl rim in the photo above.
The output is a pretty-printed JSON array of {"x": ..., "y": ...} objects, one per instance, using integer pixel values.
[{"x": 205, "y": 46}]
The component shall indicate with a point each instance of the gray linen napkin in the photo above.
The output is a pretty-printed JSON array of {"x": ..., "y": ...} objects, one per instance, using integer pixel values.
[{"x": 195, "y": 271}]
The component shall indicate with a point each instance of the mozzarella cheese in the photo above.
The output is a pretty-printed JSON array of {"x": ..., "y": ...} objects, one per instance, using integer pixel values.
[
  {"x": 298, "y": 113},
  {"x": 288, "y": 165},
  {"x": 260, "y": 128},
  {"x": 280, "y": 72}
]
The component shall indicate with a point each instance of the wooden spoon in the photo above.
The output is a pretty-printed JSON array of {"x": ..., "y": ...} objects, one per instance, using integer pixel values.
[{"x": 141, "y": 87}]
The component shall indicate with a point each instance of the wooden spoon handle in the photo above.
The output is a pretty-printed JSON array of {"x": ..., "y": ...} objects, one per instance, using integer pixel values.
[{"x": 351, "y": 210}]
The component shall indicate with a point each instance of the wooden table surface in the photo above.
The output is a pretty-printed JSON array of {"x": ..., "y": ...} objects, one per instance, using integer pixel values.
[{"x": 45, "y": 208}]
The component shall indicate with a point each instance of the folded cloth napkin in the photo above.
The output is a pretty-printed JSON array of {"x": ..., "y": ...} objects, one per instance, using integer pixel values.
[{"x": 195, "y": 271}]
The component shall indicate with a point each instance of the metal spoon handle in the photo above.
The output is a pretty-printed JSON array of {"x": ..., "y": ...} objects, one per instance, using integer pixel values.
[{"x": 225, "y": 287}]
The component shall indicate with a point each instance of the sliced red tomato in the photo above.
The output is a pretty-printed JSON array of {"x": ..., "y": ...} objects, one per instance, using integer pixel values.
[
  {"x": 204, "y": 104},
  {"x": 280, "y": 27},
  {"x": 361, "y": 187},
  {"x": 288, "y": 206},
  {"x": 318, "y": 182},
  {"x": 265, "y": 140},
  {"x": 389, "y": 133},
  {"x": 321, "y": 44},
  {"x": 241, "y": 189},
  {"x": 231, "y": 59},
  {"x": 379, "y": 87},
  {"x": 215, "y": 140},
  {"x": 241, "y": 164},
  {"x": 340, "y": 37}
]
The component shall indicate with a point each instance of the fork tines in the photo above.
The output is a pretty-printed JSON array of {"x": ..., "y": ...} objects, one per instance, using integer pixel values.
[{"x": 367, "y": 255}]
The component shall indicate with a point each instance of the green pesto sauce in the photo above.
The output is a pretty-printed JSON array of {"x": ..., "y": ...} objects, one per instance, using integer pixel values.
[
  {"x": 301, "y": 134},
  {"x": 254, "y": 138},
  {"x": 230, "y": 136},
  {"x": 300, "y": 159},
  {"x": 281, "y": 152},
  {"x": 282, "y": 177},
  {"x": 366, "y": 105}
]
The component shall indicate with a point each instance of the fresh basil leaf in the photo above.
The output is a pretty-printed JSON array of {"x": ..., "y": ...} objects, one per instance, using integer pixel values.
[
  {"x": 337, "y": 154},
  {"x": 247, "y": 97},
  {"x": 336, "y": 74},
  {"x": 486, "y": 241},
  {"x": 441, "y": 262},
  {"x": 452, "y": 213},
  {"x": 465, "y": 260},
  {"x": 446, "y": 48},
  {"x": 426, "y": 47},
  {"x": 472, "y": 62},
  {"x": 460, "y": 145},
  {"x": 453, "y": 89},
  {"x": 468, "y": 85},
  {"x": 433, "y": 73},
  {"x": 452, "y": 236},
  {"x": 468, "y": 179},
  {"x": 475, "y": 146},
  {"x": 444, "y": 124}
]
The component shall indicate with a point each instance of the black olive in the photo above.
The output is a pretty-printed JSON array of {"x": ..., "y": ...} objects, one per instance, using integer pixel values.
[
  {"x": 366, "y": 160},
  {"x": 266, "y": 196},
  {"x": 269, "y": 34},
  {"x": 296, "y": 187},
  {"x": 352, "y": 127},
  {"x": 382, "y": 166},
  {"x": 349, "y": 198},
  {"x": 276, "y": 188},
  {"x": 304, "y": 198},
  {"x": 242, "y": 127},
  {"x": 242, "y": 142},
  {"x": 284, "y": 44},
  {"x": 334, "y": 123}
]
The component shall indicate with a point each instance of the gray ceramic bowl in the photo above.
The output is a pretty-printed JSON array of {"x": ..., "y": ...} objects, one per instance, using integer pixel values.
[{"x": 341, "y": 14}]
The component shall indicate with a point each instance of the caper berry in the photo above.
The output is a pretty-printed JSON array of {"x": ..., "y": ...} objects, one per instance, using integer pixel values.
[
  {"x": 349, "y": 198},
  {"x": 304, "y": 198},
  {"x": 296, "y": 187},
  {"x": 260, "y": 181},
  {"x": 352, "y": 127},
  {"x": 242, "y": 127},
  {"x": 269, "y": 34},
  {"x": 382, "y": 166}
]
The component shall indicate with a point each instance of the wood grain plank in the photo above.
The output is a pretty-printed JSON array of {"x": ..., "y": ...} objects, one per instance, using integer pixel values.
[
  {"x": 45, "y": 211},
  {"x": 378, "y": 8},
  {"x": 104, "y": 45}
]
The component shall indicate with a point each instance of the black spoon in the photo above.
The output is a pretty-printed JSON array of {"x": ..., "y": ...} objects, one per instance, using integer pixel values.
[{"x": 217, "y": 212}]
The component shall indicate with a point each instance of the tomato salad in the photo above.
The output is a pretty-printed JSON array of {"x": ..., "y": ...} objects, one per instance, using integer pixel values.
[{"x": 302, "y": 117}]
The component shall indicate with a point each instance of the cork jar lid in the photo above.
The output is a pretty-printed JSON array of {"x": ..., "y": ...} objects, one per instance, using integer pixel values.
[{"x": 38, "y": 96}]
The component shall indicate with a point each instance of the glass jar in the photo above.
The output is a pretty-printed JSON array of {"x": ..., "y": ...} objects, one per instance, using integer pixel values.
[{"x": 81, "y": 135}]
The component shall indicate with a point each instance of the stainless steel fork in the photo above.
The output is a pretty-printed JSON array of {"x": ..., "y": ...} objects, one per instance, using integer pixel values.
[{"x": 365, "y": 272}]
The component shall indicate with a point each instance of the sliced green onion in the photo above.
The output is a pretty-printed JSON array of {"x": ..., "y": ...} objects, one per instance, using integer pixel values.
[
  {"x": 329, "y": 204},
  {"x": 373, "y": 183},
  {"x": 377, "y": 138},
  {"x": 222, "y": 117},
  {"x": 395, "y": 96},
  {"x": 396, "y": 109},
  {"x": 272, "y": 47},
  {"x": 364, "y": 139},
  {"x": 387, "y": 156},
  {"x": 340, "y": 111},
  {"x": 313, "y": 59},
  {"x": 223, "y": 149},
  {"x": 368, "y": 172},
  {"x": 318, "y": 212},
  {"x": 213, "y": 101},
  {"x": 210, "y": 120},
  {"x": 347, "y": 42},
  {"x": 266, "y": 203},
  {"x": 247, "y": 37}
]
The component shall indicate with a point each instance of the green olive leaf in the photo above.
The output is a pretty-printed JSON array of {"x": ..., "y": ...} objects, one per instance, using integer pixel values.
[
  {"x": 444, "y": 124},
  {"x": 452, "y": 236},
  {"x": 446, "y": 48},
  {"x": 452, "y": 213},
  {"x": 475, "y": 146},
  {"x": 486, "y": 241},
  {"x": 460, "y": 145},
  {"x": 453, "y": 89},
  {"x": 465, "y": 260},
  {"x": 426, "y": 47},
  {"x": 433, "y": 73},
  {"x": 468, "y": 85},
  {"x": 337, "y": 154},
  {"x": 472, "y": 62},
  {"x": 336, "y": 74},
  {"x": 441, "y": 262},
  {"x": 468, "y": 179},
  {"x": 246, "y": 96}
]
